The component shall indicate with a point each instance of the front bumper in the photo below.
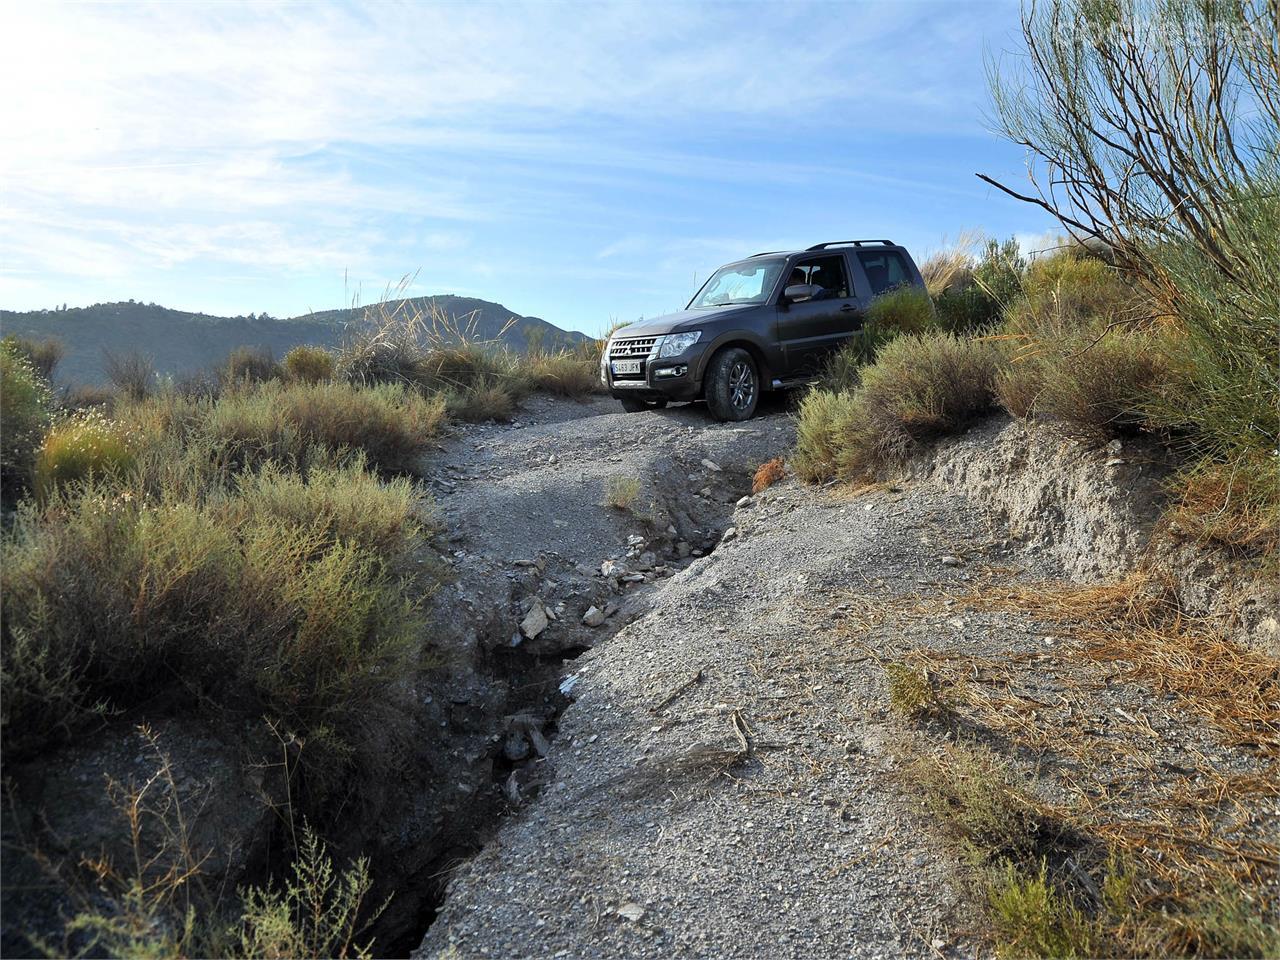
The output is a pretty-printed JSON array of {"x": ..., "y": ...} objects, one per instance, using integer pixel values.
[{"x": 671, "y": 378}]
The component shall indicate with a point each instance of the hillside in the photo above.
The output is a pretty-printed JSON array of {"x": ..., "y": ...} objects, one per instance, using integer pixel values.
[{"x": 180, "y": 342}]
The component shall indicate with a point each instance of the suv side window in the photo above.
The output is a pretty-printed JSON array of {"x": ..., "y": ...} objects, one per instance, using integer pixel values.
[
  {"x": 826, "y": 272},
  {"x": 885, "y": 270}
]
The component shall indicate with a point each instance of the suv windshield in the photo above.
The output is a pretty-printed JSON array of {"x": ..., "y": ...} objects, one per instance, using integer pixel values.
[{"x": 749, "y": 282}]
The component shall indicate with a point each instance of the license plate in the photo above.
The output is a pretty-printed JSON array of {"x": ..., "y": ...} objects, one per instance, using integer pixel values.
[{"x": 625, "y": 366}]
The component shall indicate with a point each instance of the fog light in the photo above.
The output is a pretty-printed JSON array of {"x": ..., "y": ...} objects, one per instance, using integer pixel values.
[{"x": 671, "y": 371}]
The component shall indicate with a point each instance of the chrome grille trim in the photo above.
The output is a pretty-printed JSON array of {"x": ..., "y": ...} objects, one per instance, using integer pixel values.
[{"x": 632, "y": 347}]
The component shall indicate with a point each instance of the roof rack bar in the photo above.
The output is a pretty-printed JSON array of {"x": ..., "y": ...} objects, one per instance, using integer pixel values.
[
  {"x": 767, "y": 253},
  {"x": 852, "y": 243}
]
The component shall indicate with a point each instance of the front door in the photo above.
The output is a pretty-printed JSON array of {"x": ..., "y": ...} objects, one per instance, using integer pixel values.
[{"x": 810, "y": 330}]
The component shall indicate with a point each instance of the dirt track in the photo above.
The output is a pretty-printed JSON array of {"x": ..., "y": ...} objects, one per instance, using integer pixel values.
[{"x": 727, "y": 781}]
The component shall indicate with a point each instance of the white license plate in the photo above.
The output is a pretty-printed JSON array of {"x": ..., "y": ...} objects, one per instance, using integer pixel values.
[{"x": 625, "y": 366}]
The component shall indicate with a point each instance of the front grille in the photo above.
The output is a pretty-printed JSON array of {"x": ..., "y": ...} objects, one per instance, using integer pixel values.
[{"x": 634, "y": 347}]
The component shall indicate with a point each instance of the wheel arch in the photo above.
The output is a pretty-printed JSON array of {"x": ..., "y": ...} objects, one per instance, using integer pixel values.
[{"x": 757, "y": 354}]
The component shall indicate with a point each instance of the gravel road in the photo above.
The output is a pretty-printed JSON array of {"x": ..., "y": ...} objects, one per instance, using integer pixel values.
[{"x": 726, "y": 781}]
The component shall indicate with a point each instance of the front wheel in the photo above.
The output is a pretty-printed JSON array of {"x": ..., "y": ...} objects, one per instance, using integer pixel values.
[
  {"x": 733, "y": 385},
  {"x": 635, "y": 405}
]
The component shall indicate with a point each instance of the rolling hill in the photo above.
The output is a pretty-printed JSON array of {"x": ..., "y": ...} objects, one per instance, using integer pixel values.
[{"x": 180, "y": 342}]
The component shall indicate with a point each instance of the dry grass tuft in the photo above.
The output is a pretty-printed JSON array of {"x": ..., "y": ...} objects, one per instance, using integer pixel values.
[
  {"x": 767, "y": 474},
  {"x": 1135, "y": 625},
  {"x": 620, "y": 492},
  {"x": 911, "y": 692},
  {"x": 1236, "y": 505},
  {"x": 950, "y": 270}
]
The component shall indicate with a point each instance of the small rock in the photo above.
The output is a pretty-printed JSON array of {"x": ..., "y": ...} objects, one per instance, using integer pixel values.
[
  {"x": 593, "y": 617},
  {"x": 535, "y": 621},
  {"x": 610, "y": 609},
  {"x": 1115, "y": 446},
  {"x": 610, "y": 568},
  {"x": 949, "y": 561},
  {"x": 540, "y": 745},
  {"x": 705, "y": 492},
  {"x": 671, "y": 530},
  {"x": 711, "y": 465},
  {"x": 631, "y": 911},
  {"x": 633, "y": 578},
  {"x": 516, "y": 747},
  {"x": 682, "y": 549},
  {"x": 745, "y": 502},
  {"x": 729, "y": 534},
  {"x": 646, "y": 560}
]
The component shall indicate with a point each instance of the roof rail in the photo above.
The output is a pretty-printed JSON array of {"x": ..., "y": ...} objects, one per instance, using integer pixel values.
[
  {"x": 767, "y": 253},
  {"x": 853, "y": 243}
]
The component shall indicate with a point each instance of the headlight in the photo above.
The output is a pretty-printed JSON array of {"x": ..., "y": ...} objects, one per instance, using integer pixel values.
[{"x": 674, "y": 344}]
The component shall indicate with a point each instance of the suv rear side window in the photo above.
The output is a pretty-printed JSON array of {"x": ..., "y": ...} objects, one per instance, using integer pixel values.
[
  {"x": 885, "y": 270},
  {"x": 826, "y": 272}
]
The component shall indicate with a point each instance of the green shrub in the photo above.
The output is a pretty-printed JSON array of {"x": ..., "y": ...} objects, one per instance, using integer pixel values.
[
  {"x": 249, "y": 365},
  {"x": 107, "y": 597},
  {"x": 904, "y": 310},
  {"x": 1102, "y": 388},
  {"x": 1019, "y": 384},
  {"x": 966, "y": 311},
  {"x": 44, "y": 354},
  {"x": 318, "y": 913},
  {"x": 1071, "y": 291},
  {"x": 308, "y": 364},
  {"x": 564, "y": 374},
  {"x": 1033, "y": 918},
  {"x": 391, "y": 425},
  {"x": 84, "y": 446},
  {"x": 999, "y": 271},
  {"x": 24, "y": 414},
  {"x": 1228, "y": 395},
  {"x": 346, "y": 504},
  {"x": 919, "y": 387},
  {"x": 822, "y": 425},
  {"x": 481, "y": 402}
]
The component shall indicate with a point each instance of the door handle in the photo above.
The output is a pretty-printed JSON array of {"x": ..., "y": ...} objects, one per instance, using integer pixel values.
[{"x": 848, "y": 308}]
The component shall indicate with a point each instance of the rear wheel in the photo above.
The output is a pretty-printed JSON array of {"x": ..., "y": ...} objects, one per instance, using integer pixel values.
[
  {"x": 635, "y": 405},
  {"x": 733, "y": 385}
]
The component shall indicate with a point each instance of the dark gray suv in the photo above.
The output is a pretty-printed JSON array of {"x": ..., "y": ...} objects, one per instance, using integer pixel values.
[{"x": 764, "y": 323}]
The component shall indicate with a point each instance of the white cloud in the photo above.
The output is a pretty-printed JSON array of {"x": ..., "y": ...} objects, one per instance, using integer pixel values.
[{"x": 139, "y": 136}]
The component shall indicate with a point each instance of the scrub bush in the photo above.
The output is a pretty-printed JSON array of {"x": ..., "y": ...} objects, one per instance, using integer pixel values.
[
  {"x": 24, "y": 414},
  {"x": 307, "y": 364}
]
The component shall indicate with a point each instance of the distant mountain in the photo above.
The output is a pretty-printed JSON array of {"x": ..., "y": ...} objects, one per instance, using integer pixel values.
[{"x": 181, "y": 342}]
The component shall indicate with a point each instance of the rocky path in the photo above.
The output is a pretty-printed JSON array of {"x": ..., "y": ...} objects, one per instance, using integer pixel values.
[
  {"x": 720, "y": 785},
  {"x": 728, "y": 780}
]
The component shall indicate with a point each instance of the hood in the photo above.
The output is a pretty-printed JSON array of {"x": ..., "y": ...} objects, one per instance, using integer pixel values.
[{"x": 680, "y": 320}]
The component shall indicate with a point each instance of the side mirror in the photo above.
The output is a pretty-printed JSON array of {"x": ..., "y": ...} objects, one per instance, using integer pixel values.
[{"x": 800, "y": 292}]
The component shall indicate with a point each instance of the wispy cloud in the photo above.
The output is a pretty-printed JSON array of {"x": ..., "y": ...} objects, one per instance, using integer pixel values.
[{"x": 312, "y": 137}]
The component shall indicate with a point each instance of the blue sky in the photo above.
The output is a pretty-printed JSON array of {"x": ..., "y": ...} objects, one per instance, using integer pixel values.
[{"x": 574, "y": 161}]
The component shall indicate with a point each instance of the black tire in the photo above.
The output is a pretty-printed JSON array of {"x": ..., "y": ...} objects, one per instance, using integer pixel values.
[
  {"x": 636, "y": 405},
  {"x": 732, "y": 385}
]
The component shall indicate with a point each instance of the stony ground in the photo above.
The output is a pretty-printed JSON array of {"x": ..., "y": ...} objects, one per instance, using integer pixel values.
[{"x": 729, "y": 779}]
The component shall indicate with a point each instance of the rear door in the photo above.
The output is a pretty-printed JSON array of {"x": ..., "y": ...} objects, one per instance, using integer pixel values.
[{"x": 809, "y": 331}]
